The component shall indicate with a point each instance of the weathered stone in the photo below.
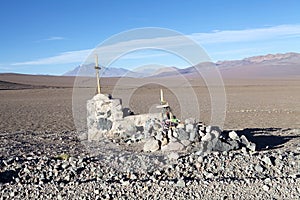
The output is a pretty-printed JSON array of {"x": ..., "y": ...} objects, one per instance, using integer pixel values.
[
  {"x": 102, "y": 112},
  {"x": 183, "y": 135},
  {"x": 173, "y": 146},
  {"x": 252, "y": 146},
  {"x": 244, "y": 151},
  {"x": 233, "y": 135},
  {"x": 207, "y": 137},
  {"x": 258, "y": 168},
  {"x": 151, "y": 145},
  {"x": 95, "y": 134},
  {"x": 244, "y": 140},
  {"x": 124, "y": 127},
  {"x": 189, "y": 127},
  {"x": 117, "y": 116},
  {"x": 267, "y": 160},
  {"x": 173, "y": 156},
  {"x": 193, "y": 135},
  {"x": 200, "y": 159},
  {"x": 266, "y": 188},
  {"x": 141, "y": 120},
  {"x": 214, "y": 129},
  {"x": 159, "y": 136},
  {"x": 209, "y": 175},
  {"x": 249, "y": 145},
  {"x": 151, "y": 126},
  {"x": 215, "y": 133},
  {"x": 226, "y": 145},
  {"x": 180, "y": 183},
  {"x": 185, "y": 142},
  {"x": 82, "y": 136},
  {"x": 104, "y": 124}
]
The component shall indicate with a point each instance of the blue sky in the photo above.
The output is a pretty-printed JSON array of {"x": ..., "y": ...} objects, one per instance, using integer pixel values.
[{"x": 54, "y": 36}]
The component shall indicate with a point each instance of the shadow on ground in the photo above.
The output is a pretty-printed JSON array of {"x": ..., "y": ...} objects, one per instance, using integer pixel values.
[{"x": 265, "y": 138}]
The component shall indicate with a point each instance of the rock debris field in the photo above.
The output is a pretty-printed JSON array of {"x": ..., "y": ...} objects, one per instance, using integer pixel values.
[{"x": 237, "y": 174}]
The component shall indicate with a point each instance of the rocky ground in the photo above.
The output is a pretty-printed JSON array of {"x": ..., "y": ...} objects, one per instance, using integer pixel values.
[
  {"x": 41, "y": 156},
  {"x": 65, "y": 168}
]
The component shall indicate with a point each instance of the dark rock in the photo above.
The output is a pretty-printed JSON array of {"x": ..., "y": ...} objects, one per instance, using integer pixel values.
[
  {"x": 225, "y": 145},
  {"x": 104, "y": 124}
]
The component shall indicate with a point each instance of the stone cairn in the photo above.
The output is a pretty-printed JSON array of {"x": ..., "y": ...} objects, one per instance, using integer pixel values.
[{"x": 107, "y": 119}]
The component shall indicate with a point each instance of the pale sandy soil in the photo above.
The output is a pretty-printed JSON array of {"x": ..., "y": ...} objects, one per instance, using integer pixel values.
[{"x": 249, "y": 104}]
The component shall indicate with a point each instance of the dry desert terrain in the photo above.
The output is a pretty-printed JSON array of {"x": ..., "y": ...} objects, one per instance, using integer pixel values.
[{"x": 37, "y": 121}]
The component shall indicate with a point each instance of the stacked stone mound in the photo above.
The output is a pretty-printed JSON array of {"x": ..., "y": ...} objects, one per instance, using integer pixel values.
[
  {"x": 192, "y": 136},
  {"x": 107, "y": 119},
  {"x": 103, "y": 114}
]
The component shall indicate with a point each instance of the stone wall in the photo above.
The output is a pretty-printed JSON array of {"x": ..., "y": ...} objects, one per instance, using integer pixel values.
[{"x": 107, "y": 118}]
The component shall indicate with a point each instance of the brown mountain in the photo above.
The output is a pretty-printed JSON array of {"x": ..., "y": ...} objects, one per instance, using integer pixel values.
[{"x": 267, "y": 66}]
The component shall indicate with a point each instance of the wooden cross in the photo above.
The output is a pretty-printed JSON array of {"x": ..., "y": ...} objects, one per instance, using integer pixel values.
[{"x": 97, "y": 68}]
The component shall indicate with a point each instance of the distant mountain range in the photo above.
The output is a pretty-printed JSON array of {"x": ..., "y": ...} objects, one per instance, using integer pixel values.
[{"x": 271, "y": 65}]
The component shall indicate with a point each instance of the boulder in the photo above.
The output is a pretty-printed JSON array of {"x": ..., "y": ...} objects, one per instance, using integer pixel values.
[
  {"x": 151, "y": 145},
  {"x": 185, "y": 142},
  {"x": 249, "y": 145},
  {"x": 233, "y": 135},
  {"x": 173, "y": 146},
  {"x": 189, "y": 127},
  {"x": 244, "y": 140},
  {"x": 182, "y": 134},
  {"x": 207, "y": 137},
  {"x": 193, "y": 135},
  {"x": 151, "y": 126},
  {"x": 173, "y": 156},
  {"x": 159, "y": 136},
  {"x": 225, "y": 145}
]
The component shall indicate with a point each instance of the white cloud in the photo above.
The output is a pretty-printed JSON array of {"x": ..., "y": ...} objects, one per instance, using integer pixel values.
[
  {"x": 247, "y": 35},
  {"x": 52, "y": 38},
  {"x": 136, "y": 55},
  {"x": 55, "y": 38},
  {"x": 63, "y": 58},
  {"x": 176, "y": 42}
]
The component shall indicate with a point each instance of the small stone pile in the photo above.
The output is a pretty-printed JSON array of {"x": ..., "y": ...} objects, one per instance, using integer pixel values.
[{"x": 192, "y": 136}]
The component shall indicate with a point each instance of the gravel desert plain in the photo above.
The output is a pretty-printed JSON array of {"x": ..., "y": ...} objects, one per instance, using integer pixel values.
[{"x": 42, "y": 156}]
